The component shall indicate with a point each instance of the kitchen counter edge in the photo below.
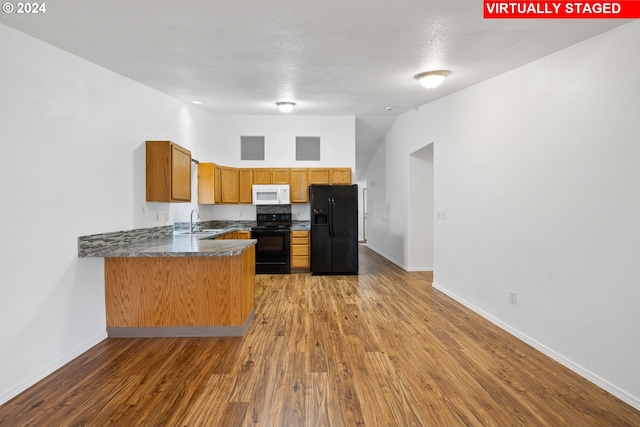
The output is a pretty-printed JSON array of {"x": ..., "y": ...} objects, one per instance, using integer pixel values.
[{"x": 159, "y": 242}]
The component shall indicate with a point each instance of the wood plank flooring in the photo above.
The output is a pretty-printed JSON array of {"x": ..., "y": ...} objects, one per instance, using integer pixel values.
[{"x": 379, "y": 349}]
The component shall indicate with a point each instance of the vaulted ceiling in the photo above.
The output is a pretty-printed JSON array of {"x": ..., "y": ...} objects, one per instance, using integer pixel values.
[{"x": 331, "y": 57}]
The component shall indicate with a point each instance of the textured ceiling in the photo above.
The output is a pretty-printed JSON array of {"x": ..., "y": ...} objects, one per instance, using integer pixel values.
[{"x": 352, "y": 57}]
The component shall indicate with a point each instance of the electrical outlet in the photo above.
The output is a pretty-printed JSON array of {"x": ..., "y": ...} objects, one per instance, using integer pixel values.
[
  {"x": 512, "y": 296},
  {"x": 143, "y": 210},
  {"x": 157, "y": 217}
]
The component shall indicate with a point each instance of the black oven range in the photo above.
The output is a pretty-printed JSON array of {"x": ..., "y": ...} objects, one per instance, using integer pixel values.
[{"x": 273, "y": 231}]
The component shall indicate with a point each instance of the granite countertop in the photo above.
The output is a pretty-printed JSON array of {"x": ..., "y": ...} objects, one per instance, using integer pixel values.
[
  {"x": 300, "y": 225},
  {"x": 159, "y": 242}
]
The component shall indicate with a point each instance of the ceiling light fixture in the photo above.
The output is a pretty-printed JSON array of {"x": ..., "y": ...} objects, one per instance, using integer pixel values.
[
  {"x": 432, "y": 79},
  {"x": 197, "y": 102},
  {"x": 285, "y": 107}
]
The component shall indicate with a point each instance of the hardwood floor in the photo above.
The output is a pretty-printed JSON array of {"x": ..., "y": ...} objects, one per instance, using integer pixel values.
[{"x": 379, "y": 349}]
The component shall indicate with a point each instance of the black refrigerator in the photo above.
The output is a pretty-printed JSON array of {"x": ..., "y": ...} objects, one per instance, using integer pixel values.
[{"x": 334, "y": 229}]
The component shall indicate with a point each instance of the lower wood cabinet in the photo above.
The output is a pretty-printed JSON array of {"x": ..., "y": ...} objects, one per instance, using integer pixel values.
[
  {"x": 242, "y": 234},
  {"x": 238, "y": 234},
  {"x": 300, "y": 249},
  {"x": 179, "y": 292}
]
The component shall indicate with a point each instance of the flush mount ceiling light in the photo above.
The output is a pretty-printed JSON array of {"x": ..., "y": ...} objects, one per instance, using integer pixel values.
[
  {"x": 285, "y": 107},
  {"x": 432, "y": 79},
  {"x": 197, "y": 102}
]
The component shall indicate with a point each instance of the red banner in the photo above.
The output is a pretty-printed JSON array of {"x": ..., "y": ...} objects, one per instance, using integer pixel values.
[{"x": 561, "y": 10}]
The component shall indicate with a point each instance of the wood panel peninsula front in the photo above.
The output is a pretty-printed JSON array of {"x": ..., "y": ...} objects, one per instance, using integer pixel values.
[{"x": 162, "y": 284}]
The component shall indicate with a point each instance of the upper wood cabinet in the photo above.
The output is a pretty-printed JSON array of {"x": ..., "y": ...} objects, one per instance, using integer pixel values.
[
  {"x": 318, "y": 176},
  {"x": 262, "y": 176},
  {"x": 245, "y": 176},
  {"x": 217, "y": 184},
  {"x": 222, "y": 184},
  {"x": 280, "y": 176},
  {"x": 340, "y": 175},
  {"x": 299, "y": 187},
  {"x": 208, "y": 194},
  {"x": 229, "y": 185},
  {"x": 168, "y": 172}
]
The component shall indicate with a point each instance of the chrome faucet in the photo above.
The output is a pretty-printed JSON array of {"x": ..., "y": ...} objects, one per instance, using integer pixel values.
[{"x": 192, "y": 226}]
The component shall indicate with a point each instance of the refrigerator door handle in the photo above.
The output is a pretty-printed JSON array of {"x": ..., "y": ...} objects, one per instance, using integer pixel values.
[{"x": 330, "y": 217}]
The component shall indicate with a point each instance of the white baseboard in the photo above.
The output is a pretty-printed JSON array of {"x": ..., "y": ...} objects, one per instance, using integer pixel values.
[
  {"x": 420, "y": 269},
  {"x": 7, "y": 395},
  {"x": 382, "y": 254},
  {"x": 595, "y": 379}
]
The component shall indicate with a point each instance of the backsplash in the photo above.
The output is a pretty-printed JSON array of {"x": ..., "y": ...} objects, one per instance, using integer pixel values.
[
  {"x": 273, "y": 209},
  {"x": 240, "y": 225}
]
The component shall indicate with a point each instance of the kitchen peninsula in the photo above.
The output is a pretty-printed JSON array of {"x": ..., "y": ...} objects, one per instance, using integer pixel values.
[{"x": 159, "y": 284}]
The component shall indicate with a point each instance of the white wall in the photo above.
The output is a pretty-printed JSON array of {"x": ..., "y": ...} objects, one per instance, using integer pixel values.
[
  {"x": 337, "y": 149},
  {"x": 72, "y": 164},
  {"x": 537, "y": 172},
  {"x": 337, "y": 140}
]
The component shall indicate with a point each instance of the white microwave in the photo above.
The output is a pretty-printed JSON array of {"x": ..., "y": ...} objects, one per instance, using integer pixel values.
[{"x": 271, "y": 194}]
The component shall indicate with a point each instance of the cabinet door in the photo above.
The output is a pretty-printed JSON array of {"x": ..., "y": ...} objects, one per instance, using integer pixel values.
[
  {"x": 280, "y": 176},
  {"x": 299, "y": 191},
  {"x": 242, "y": 234},
  {"x": 180, "y": 173},
  {"x": 229, "y": 185},
  {"x": 217, "y": 184},
  {"x": 340, "y": 175},
  {"x": 262, "y": 176},
  {"x": 206, "y": 186},
  {"x": 318, "y": 176},
  {"x": 168, "y": 172},
  {"x": 246, "y": 181}
]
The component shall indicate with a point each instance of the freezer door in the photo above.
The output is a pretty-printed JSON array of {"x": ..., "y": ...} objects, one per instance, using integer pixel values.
[
  {"x": 319, "y": 198},
  {"x": 344, "y": 229}
]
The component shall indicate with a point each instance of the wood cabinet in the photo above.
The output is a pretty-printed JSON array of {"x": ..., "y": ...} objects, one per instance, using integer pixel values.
[
  {"x": 168, "y": 172},
  {"x": 242, "y": 234},
  {"x": 299, "y": 186},
  {"x": 217, "y": 184},
  {"x": 197, "y": 292},
  {"x": 229, "y": 185},
  {"x": 280, "y": 176},
  {"x": 207, "y": 191},
  {"x": 245, "y": 178},
  {"x": 223, "y": 184},
  {"x": 318, "y": 176},
  {"x": 238, "y": 234},
  {"x": 340, "y": 175},
  {"x": 262, "y": 176},
  {"x": 300, "y": 249}
]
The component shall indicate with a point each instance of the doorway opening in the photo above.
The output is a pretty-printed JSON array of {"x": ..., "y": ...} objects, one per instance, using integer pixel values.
[{"x": 420, "y": 209}]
